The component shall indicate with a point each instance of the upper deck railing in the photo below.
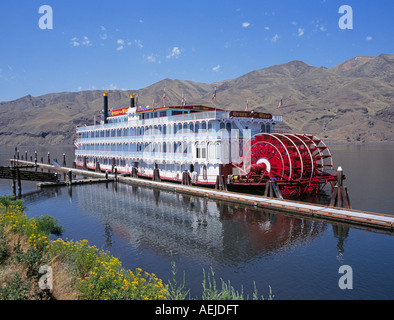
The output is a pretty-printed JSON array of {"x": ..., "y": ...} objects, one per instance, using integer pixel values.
[{"x": 208, "y": 115}]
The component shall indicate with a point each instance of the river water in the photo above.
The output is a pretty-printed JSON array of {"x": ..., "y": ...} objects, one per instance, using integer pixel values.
[{"x": 298, "y": 257}]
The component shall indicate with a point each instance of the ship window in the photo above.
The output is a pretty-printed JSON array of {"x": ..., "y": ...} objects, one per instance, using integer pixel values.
[{"x": 201, "y": 151}]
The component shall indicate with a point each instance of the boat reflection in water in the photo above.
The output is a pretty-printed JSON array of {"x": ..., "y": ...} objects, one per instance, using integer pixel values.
[{"x": 194, "y": 227}]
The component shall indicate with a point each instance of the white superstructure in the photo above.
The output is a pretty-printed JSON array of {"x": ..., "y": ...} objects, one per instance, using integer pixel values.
[{"x": 174, "y": 139}]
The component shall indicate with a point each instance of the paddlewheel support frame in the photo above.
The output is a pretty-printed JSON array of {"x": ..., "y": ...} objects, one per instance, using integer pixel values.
[{"x": 301, "y": 163}]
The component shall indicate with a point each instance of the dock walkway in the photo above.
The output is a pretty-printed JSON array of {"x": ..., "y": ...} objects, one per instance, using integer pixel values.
[{"x": 370, "y": 219}]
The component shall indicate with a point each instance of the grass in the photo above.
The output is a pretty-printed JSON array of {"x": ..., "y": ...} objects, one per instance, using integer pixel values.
[{"x": 78, "y": 270}]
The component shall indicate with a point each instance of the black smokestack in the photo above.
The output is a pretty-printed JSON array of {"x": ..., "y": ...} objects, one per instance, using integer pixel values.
[
  {"x": 132, "y": 100},
  {"x": 105, "y": 94}
]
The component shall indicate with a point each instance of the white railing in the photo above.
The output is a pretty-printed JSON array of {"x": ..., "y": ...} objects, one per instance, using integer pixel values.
[
  {"x": 208, "y": 115},
  {"x": 147, "y": 156},
  {"x": 177, "y": 137}
]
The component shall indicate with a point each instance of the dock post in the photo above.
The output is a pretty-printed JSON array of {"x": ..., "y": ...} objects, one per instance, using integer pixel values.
[
  {"x": 98, "y": 169},
  {"x": 13, "y": 172},
  {"x": 134, "y": 172},
  {"x": 340, "y": 196},
  {"x": 18, "y": 178},
  {"x": 186, "y": 180},
  {"x": 26, "y": 156},
  {"x": 69, "y": 177},
  {"x": 220, "y": 180},
  {"x": 64, "y": 160},
  {"x": 156, "y": 174},
  {"x": 272, "y": 190}
]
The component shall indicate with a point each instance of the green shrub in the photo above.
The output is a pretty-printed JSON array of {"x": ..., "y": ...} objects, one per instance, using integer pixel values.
[{"x": 15, "y": 289}]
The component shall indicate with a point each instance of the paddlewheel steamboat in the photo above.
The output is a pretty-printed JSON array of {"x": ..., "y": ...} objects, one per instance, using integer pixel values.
[{"x": 205, "y": 146}]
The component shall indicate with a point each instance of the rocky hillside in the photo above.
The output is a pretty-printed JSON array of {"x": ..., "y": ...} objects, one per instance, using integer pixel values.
[{"x": 351, "y": 102}]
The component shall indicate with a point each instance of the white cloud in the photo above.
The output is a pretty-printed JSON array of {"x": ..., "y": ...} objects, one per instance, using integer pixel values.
[
  {"x": 323, "y": 28},
  {"x": 369, "y": 38},
  {"x": 121, "y": 44},
  {"x": 152, "y": 58},
  {"x": 300, "y": 32},
  {"x": 138, "y": 44},
  {"x": 175, "y": 52},
  {"x": 275, "y": 38},
  {"x": 216, "y": 69},
  {"x": 74, "y": 42},
  {"x": 86, "y": 42},
  {"x": 267, "y": 28},
  {"x": 245, "y": 24}
]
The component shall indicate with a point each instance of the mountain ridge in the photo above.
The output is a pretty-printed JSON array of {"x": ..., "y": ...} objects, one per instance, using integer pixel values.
[{"x": 351, "y": 102}]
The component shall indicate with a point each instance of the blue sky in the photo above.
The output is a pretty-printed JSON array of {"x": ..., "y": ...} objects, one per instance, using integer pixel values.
[{"x": 132, "y": 44}]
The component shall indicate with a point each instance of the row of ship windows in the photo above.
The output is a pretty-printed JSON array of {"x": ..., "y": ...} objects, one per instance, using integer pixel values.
[
  {"x": 201, "y": 149},
  {"x": 160, "y": 130}
]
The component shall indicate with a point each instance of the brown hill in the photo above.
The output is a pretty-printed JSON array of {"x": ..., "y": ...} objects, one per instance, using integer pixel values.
[{"x": 352, "y": 102}]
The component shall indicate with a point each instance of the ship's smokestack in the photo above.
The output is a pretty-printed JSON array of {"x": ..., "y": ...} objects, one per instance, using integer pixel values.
[
  {"x": 132, "y": 100},
  {"x": 105, "y": 94}
]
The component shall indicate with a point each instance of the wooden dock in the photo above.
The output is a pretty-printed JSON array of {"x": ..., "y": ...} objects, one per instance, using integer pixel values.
[{"x": 370, "y": 219}]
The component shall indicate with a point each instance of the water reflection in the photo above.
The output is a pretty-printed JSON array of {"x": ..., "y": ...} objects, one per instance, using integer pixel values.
[{"x": 196, "y": 227}]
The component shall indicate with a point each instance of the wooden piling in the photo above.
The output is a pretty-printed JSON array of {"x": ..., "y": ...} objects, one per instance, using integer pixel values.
[
  {"x": 272, "y": 190},
  {"x": 186, "y": 180},
  {"x": 220, "y": 180},
  {"x": 134, "y": 172},
  {"x": 64, "y": 160},
  {"x": 18, "y": 178},
  {"x": 340, "y": 196},
  {"x": 156, "y": 174}
]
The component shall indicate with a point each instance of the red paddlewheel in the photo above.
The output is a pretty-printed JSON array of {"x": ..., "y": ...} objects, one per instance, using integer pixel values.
[{"x": 288, "y": 157}]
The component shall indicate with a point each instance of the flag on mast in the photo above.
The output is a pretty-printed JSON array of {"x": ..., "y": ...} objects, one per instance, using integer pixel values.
[
  {"x": 183, "y": 101},
  {"x": 247, "y": 105},
  {"x": 214, "y": 97},
  {"x": 280, "y": 104},
  {"x": 164, "y": 97}
]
